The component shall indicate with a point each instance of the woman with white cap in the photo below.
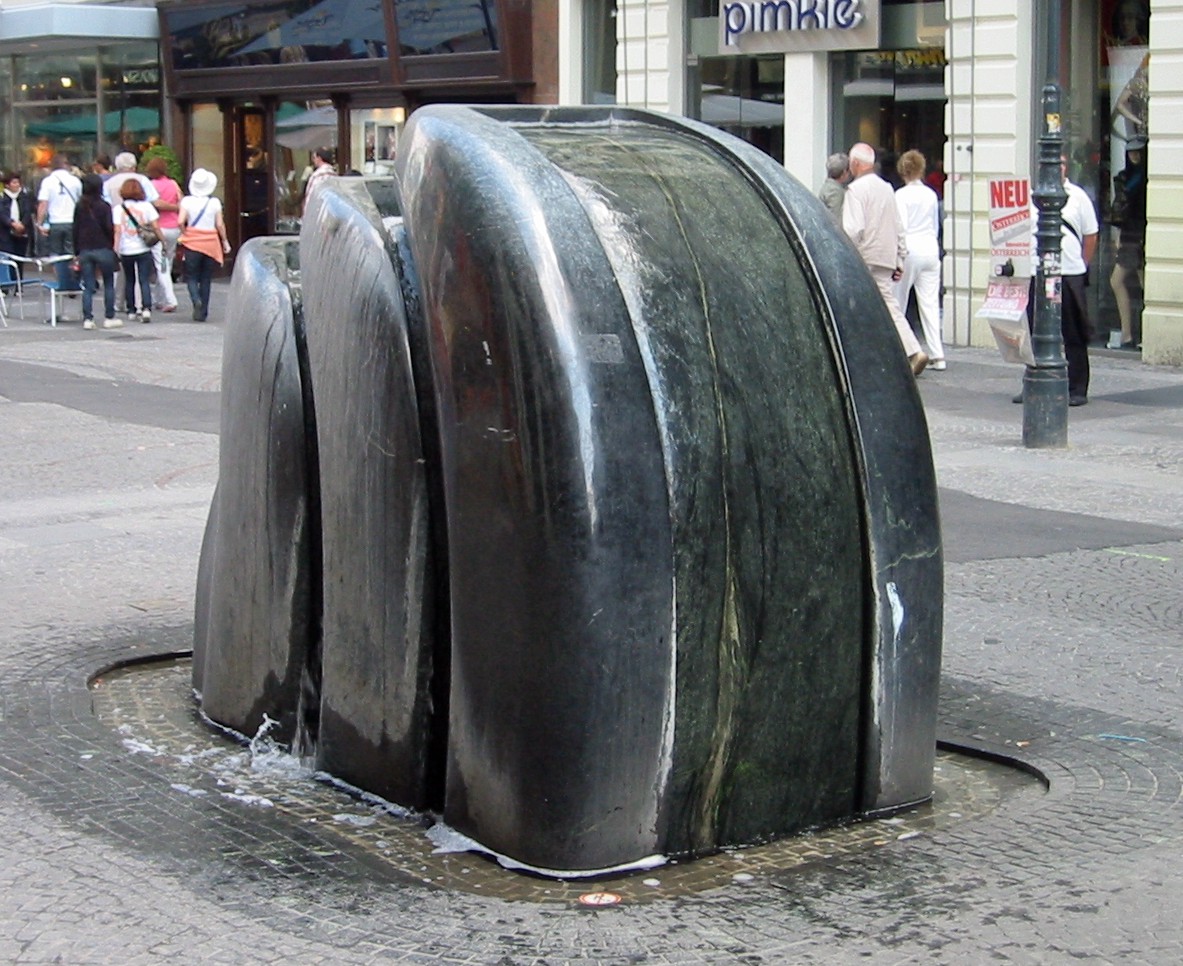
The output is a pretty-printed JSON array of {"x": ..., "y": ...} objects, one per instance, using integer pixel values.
[{"x": 203, "y": 235}]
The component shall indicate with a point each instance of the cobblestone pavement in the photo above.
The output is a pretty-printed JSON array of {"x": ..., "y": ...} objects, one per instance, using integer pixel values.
[{"x": 135, "y": 835}]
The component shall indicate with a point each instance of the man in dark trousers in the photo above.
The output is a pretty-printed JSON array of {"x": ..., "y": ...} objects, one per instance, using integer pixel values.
[{"x": 1078, "y": 244}]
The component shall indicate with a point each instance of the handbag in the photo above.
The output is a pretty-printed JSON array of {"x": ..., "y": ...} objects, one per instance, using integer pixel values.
[{"x": 148, "y": 235}]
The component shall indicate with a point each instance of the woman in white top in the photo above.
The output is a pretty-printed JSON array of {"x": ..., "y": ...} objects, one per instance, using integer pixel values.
[
  {"x": 203, "y": 235},
  {"x": 132, "y": 214},
  {"x": 919, "y": 210}
]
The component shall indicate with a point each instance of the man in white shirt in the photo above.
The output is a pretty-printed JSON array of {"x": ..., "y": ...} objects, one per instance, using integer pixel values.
[
  {"x": 1078, "y": 244},
  {"x": 56, "y": 198},
  {"x": 870, "y": 219},
  {"x": 322, "y": 160},
  {"x": 125, "y": 167}
]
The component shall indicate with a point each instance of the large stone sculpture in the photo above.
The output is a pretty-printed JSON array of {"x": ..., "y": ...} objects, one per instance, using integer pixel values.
[{"x": 588, "y": 504}]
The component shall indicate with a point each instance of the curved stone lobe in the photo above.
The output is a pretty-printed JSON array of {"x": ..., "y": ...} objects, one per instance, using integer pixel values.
[
  {"x": 378, "y": 622},
  {"x": 258, "y": 555}
]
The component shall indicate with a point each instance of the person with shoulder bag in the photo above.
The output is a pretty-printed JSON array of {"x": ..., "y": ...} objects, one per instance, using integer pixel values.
[
  {"x": 56, "y": 197},
  {"x": 203, "y": 236},
  {"x": 136, "y": 232}
]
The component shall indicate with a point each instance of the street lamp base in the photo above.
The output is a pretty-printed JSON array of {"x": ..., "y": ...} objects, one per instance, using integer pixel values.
[{"x": 1045, "y": 408}]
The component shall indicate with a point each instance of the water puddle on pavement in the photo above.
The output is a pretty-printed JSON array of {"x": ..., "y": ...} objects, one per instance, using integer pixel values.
[{"x": 150, "y": 707}]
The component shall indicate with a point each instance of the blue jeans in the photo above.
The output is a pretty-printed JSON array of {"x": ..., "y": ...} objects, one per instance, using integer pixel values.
[
  {"x": 61, "y": 242},
  {"x": 101, "y": 261},
  {"x": 199, "y": 270},
  {"x": 140, "y": 265}
]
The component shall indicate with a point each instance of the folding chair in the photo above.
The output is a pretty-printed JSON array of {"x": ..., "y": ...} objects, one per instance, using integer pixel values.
[
  {"x": 10, "y": 279},
  {"x": 50, "y": 289},
  {"x": 53, "y": 288}
]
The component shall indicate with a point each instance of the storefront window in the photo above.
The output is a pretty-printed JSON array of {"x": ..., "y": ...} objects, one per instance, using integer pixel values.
[
  {"x": 8, "y": 155},
  {"x": 1125, "y": 60},
  {"x": 55, "y": 78},
  {"x": 287, "y": 32},
  {"x": 375, "y": 139},
  {"x": 84, "y": 105},
  {"x": 599, "y": 51},
  {"x": 893, "y": 100},
  {"x": 445, "y": 26},
  {"x": 131, "y": 98},
  {"x": 745, "y": 96},
  {"x": 300, "y": 128},
  {"x": 1103, "y": 59}
]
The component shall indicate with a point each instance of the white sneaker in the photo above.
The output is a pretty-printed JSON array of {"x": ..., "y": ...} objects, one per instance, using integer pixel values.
[
  {"x": 937, "y": 364},
  {"x": 145, "y": 316},
  {"x": 112, "y": 323},
  {"x": 88, "y": 323}
]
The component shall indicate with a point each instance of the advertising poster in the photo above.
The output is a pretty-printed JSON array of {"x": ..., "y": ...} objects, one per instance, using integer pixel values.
[{"x": 1011, "y": 236}]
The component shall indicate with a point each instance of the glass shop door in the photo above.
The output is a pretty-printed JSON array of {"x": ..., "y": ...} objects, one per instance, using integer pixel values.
[{"x": 253, "y": 164}]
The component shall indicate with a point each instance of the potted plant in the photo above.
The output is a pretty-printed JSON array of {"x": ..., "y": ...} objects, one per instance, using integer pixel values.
[{"x": 170, "y": 159}]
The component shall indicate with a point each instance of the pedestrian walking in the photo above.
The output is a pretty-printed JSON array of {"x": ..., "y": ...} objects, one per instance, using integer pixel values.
[
  {"x": 322, "y": 167},
  {"x": 101, "y": 166},
  {"x": 1078, "y": 244},
  {"x": 168, "y": 204},
  {"x": 833, "y": 190},
  {"x": 919, "y": 211},
  {"x": 132, "y": 217},
  {"x": 125, "y": 170},
  {"x": 203, "y": 236},
  {"x": 871, "y": 220},
  {"x": 56, "y": 198},
  {"x": 94, "y": 241}
]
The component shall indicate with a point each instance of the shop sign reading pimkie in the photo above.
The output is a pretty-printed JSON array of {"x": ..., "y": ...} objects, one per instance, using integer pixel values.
[{"x": 785, "y": 26}]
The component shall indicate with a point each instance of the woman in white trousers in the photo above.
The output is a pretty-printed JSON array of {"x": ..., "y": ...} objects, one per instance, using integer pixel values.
[{"x": 919, "y": 210}]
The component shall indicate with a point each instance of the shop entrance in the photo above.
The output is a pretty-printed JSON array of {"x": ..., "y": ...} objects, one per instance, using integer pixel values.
[{"x": 253, "y": 167}]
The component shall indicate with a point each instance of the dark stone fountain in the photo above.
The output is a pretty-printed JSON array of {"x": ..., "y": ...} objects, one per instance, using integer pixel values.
[{"x": 588, "y": 503}]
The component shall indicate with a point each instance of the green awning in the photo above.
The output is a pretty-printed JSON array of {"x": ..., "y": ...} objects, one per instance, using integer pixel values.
[{"x": 137, "y": 120}]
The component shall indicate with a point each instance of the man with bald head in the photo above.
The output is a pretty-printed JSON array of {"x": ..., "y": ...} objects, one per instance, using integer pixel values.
[{"x": 871, "y": 220}]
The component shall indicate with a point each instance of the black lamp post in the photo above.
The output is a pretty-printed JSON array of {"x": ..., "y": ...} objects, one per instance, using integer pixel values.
[{"x": 1045, "y": 384}]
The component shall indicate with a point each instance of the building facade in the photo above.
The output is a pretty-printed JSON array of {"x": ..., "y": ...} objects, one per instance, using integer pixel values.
[
  {"x": 254, "y": 87},
  {"x": 249, "y": 89},
  {"x": 80, "y": 79},
  {"x": 958, "y": 80}
]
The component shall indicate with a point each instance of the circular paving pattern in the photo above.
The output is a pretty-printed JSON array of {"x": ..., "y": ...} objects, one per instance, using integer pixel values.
[{"x": 150, "y": 706}]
